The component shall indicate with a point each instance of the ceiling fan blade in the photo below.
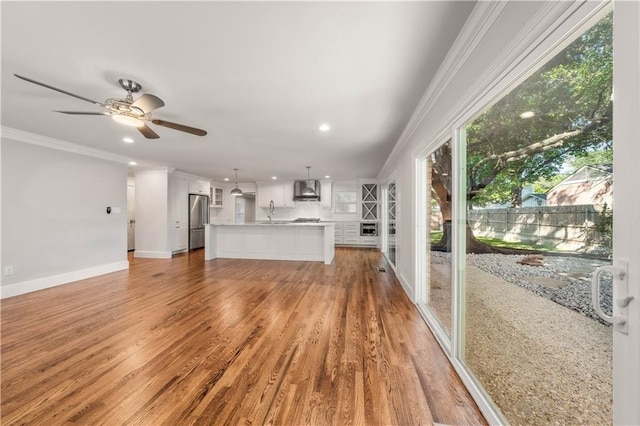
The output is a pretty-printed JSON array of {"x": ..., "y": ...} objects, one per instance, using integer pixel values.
[
  {"x": 82, "y": 112},
  {"x": 59, "y": 90},
  {"x": 181, "y": 127},
  {"x": 148, "y": 102},
  {"x": 147, "y": 132}
]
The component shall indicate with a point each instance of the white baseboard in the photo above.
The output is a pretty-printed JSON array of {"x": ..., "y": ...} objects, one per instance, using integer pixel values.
[
  {"x": 407, "y": 288},
  {"x": 55, "y": 280},
  {"x": 152, "y": 254}
]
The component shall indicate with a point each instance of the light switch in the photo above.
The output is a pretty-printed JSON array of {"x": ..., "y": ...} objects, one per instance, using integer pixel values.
[{"x": 117, "y": 210}]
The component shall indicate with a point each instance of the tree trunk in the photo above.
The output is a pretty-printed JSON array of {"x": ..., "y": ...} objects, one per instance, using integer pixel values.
[
  {"x": 473, "y": 244},
  {"x": 441, "y": 193}
]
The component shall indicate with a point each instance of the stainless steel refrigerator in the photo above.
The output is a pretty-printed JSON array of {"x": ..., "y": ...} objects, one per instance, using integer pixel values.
[{"x": 198, "y": 217}]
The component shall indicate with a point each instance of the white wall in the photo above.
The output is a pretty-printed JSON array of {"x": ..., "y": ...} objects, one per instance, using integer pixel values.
[
  {"x": 499, "y": 45},
  {"x": 55, "y": 228},
  {"x": 152, "y": 224}
]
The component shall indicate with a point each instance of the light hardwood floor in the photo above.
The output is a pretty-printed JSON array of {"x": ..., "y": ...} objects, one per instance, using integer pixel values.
[{"x": 184, "y": 341}]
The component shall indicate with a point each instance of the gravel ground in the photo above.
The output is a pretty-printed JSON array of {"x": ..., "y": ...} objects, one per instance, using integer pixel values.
[
  {"x": 541, "y": 362},
  {"x": 563, "y": 279}
]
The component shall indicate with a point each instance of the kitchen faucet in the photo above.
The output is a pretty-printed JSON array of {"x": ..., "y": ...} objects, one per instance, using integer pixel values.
[{"x": 272, "y": 207}]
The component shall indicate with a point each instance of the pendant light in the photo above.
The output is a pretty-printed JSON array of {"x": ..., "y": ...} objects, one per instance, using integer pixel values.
[
  {"x": 308, "y": 190},
  {"x": 236, "y": 192}
]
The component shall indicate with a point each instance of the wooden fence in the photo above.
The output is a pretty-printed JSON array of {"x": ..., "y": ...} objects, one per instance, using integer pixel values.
[{"x": 584, "y": 228}]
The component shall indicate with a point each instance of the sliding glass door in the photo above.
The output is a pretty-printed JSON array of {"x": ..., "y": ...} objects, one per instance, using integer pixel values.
[
  {"x": 391, "y": 223},
  {"x": 507, "y": 248},
  {"x": 435, "y": 290},
  {"x": 537, "y": 222}
]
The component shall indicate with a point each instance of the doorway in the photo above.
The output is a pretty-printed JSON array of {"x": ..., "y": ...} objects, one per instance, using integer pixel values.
[{"x": 131, "y": 214}]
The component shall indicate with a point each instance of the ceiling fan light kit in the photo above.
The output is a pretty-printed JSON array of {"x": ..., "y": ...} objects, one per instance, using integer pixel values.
[
  {"x": 127, "y": 111},
  {"x": 127, "y": 120}
]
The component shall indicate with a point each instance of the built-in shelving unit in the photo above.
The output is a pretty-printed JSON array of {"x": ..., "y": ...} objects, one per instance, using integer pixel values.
[
  {"x": 369, "y": 202},
  {"x": 216, "y": 197}
]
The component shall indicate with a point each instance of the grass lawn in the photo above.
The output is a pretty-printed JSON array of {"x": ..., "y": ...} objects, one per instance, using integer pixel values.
[{"x": 496, "y": 242}]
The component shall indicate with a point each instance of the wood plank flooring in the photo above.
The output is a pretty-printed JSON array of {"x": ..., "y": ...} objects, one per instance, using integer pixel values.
[{"x": 184, "y": 341}]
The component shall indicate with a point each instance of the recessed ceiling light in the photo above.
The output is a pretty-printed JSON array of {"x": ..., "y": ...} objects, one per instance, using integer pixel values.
[
  {"x": 527, "y": 114},
  {"x": 274, "y": 177},
  {"x": 324, "y": 127},
  {"x": 226, "y": 179},
  {"x": 327, "y": 177},
  {"x": 133, "y": 163},
  {"x": 127, "y": 140}
]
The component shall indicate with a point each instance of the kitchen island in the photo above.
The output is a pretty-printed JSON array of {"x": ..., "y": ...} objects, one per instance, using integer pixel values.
[{"x": 271, "y": 241}]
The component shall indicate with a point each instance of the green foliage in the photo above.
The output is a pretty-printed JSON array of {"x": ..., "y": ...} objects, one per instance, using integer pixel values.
[
  {"x": 596, "y": 155},
  {"x": 571, "y": 93},
  {"x": 543, "y": 185}
]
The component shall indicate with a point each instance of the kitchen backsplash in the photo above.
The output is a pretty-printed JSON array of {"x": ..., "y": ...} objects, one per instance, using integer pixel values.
[{"x": 301, "y": 209}]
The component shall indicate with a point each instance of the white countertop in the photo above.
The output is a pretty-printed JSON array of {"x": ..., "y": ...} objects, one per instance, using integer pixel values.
[{"x": 274, "y": 223}]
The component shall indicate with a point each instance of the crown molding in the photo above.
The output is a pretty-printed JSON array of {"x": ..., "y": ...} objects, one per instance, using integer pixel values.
[
  {"x": 49, "y": 142},
  {"x": 514, "y": 59},
  {"x": 188, "y": 175},
  {"x": 521, "y": 57},
  {"x": 152, "y": 169},
  {"x": 478, "y": 24}
]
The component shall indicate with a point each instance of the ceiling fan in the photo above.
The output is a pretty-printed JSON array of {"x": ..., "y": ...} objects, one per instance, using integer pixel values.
[{"x": 127, "y": 111}]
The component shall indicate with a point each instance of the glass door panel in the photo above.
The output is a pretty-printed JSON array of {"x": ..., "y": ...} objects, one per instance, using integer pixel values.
[
  {"x": 539, "y": 209},
  {"x": 391, "y": 223},
  {"x": 438, "y": 288}
]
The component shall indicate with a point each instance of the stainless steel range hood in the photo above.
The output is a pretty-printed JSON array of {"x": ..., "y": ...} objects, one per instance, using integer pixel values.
[{"x": 300, "y": 185}]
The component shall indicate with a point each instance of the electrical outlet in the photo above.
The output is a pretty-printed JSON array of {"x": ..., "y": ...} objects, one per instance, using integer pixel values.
[{"x": 8, "y": 270}]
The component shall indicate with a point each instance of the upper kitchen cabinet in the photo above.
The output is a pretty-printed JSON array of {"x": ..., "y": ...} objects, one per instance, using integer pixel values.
[
  {"x": 281, "y": 193},
  {"x": 199, "y": 187},
  {"x": 325, "y": 193},
  {"x": 216, "y": 196},
  {"x": 369, "y": 200}
]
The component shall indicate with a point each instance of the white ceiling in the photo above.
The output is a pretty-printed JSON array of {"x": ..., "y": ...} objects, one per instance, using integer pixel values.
[{"x": 260, "y": 77}]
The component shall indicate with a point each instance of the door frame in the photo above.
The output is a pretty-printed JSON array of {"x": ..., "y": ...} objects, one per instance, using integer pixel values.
[
  {"x": 626, "y": 227},
  {"x": 422, "y": 213},
  {"x": 384, "y": 210}
]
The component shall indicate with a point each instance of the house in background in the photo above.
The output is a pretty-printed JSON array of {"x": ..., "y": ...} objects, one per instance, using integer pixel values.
[
  {"x": 532, "y": 199},
  {"x": 590, "y": 184}
]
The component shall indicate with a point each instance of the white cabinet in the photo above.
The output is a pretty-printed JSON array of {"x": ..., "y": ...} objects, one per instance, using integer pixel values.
[
  {"x": 369, "y": 241},
  {"x": 178, "y": 237},
  {"x": 325, "y": 194},
  {"x": 178, "y": 199},
  {"x": 216, "y": 197},
  {"x": 351, "y": 233},
  {"x": 199, "y": 187},
  {"x": 348, "y": 233},
  {"x": 338, "y": 233},
  {"x": 269, "y": 191},
  {"x": 281, "y": 193}
]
